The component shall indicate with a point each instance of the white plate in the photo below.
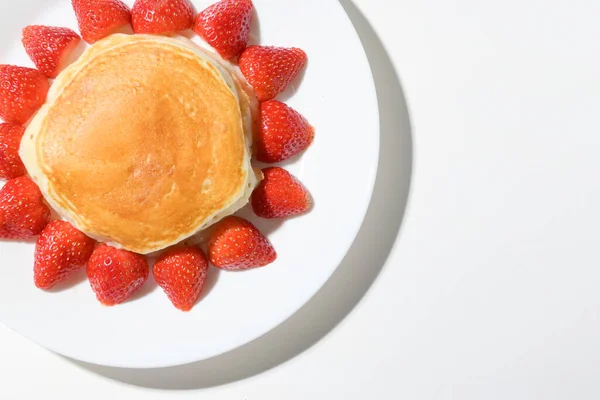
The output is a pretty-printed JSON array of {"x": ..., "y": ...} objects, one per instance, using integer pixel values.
[{"x": 337, "y": 96}]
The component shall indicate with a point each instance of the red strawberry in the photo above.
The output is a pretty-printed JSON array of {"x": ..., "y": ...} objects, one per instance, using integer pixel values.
[
  {"x": 100, "y": 18},
  {"x": 23, "y": 213},
  {"x": 116, "y": 274},
  {"x": 11, "y": 165},
  {"x": 181, "y": 272},
  {"x": 283, "y": 133},
  {"x": 22, "y": 93},
  {"x": 49, "y": 47},
  {"x": 226, "y": 26},
  {"x": 60, "y": 251},
  {"x": 271, "y": 69},
  {"x": 280, "y": 195},
  {"x": 161, "y": 16},
  {"x": 236, "y": 245}
]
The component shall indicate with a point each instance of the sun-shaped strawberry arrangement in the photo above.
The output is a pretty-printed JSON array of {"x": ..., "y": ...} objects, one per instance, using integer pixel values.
[{"x": 234, "y": 243}]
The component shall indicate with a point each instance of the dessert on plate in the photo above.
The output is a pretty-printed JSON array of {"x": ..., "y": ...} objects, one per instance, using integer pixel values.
[{"x": 146, "y": 140}]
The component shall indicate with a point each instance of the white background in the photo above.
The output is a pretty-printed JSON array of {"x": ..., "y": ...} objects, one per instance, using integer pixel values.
[{"x": 491, "y": 290}]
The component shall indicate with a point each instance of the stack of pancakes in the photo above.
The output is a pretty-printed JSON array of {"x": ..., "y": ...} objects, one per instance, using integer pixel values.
[{"x": 144, "y": 141}]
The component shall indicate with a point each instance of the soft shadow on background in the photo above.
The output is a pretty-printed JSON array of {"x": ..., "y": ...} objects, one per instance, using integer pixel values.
[{"x": 352, "y": 279}]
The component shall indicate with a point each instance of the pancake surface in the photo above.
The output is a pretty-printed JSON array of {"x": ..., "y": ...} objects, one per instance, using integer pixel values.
[{"x": 142, "y": 143}]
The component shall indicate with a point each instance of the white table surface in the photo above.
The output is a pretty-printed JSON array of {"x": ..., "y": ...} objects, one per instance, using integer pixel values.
[{"x": 491, "y": 289}]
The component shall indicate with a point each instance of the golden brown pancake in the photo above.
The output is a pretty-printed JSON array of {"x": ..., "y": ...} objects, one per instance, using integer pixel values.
[{"x": 143, "y": 142}]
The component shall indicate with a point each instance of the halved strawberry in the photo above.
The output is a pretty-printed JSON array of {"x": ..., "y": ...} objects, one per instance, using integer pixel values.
[
  {"x": 271, "y": 69},
  {"x": 226, "y": 26},
  {"x": 283, "y": 133},
  {"x": 60, "y": 251},
  {"x": 49, "y": 47},
  {"x": 100, "y": 18},
  {"x": 115, "y": 275},
  {"x": 236, "y": 244},
  {"x": 161, "y": 16},
  {"x": 181, "y": 273},
  {"x": 280, "y": 195},
  {"x": 23, "y": 213},
  {"x": 22, "y": 92},
  {"x": 11, "y": 165}
]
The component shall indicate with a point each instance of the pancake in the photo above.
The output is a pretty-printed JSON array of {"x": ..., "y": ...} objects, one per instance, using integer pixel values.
[{"x": 144, "y": 142}]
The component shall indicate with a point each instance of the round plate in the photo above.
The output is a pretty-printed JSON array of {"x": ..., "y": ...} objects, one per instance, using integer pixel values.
[{"x": 337, "y": 95}]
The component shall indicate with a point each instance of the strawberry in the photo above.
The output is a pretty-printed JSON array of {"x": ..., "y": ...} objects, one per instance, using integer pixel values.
[
  {"x": 280, "y": 195},
  {"x": 236, "y": 244},
  {"x": 100, "y": 18},
  {"x": 23, "y": 213},
  {"x": 226, "y": 26},
  {"x": 161, "y": 16},
  {"x": 181, "y": 272},
  {"x": 49, "y": 47},
  {"x": 116, "y": 274},
  {"x": 11, "y": 165},
  {"x": 22, "y": 93},
  {"x": 60, "y": 251},
  {"x": 283, "y": 133},
  {"x": 271, "y": 69}
]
